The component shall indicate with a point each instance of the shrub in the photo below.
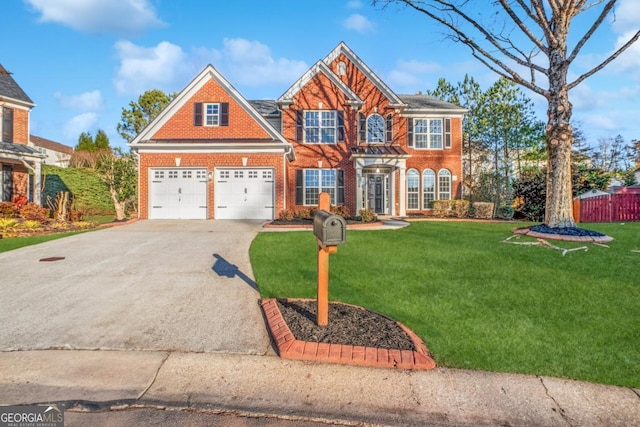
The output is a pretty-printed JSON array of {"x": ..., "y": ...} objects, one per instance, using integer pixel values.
[
  {"x": 441, "y": 208},
  {"x": 341, "y": 210},
  {"x": 33, "y": 212},
  {"x": 505, "y": 212},
  {"x": 367, "y": 215},
  {"x": 461, "y": 208},
  {"x": 83, "y": 224},
  {"x": 8, "y": 223},
  {"x": 8, "y": 210},
  {"x": 30, "y": 225},
  {"x": 483, "y": 210},
  {"x": 303, "y": 213},
  {"x": 530, "y": 192},
  {"x": 285, "y": 215}
]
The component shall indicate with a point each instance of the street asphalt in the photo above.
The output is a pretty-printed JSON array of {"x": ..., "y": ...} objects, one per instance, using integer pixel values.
[{"x": 157, "y": 323}]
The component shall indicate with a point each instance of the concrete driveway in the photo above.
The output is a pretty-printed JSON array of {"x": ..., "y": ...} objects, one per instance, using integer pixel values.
[{"x": 149, "y": 285}]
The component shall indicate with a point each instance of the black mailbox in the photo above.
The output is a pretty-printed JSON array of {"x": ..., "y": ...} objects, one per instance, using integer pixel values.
[{"x": 330, "y": 229}]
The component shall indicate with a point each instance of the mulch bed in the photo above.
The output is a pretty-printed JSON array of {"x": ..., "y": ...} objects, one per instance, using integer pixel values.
[
  {"x": 569, "y": 234},
  {"x": 348, "y": 325}
]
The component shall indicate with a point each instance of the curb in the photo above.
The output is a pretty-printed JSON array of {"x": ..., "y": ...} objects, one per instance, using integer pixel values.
[{"x": 291, "y": 348}]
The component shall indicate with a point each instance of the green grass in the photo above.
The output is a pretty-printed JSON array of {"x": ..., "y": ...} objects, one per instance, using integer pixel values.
[
  {"x": 479, "y": 303},
  {"x": 19, "y": 242}
]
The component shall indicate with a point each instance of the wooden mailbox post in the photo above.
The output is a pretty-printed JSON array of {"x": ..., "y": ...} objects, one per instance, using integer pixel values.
[{"x": 330, "y": 230}]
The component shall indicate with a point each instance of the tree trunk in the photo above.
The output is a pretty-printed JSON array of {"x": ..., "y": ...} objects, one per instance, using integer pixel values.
[
  {"x": 119, "y": 206},
  {"x": 559, "y": 209}
]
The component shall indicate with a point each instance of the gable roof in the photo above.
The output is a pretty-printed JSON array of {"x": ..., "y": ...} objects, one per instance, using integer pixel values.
[
  {"x": 11, "y": 90},
  {"x": 50, "y": 145},
  {"x": 319, "y": 67},
  {"x": 342, "y": 48},
  {"x": 207, "y": 74}
]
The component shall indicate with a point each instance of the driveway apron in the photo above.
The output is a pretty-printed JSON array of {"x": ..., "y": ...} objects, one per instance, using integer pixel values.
[{"x": 149, "y": 285}]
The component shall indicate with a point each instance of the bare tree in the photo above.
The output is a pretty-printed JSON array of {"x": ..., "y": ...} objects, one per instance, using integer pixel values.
[{"x": 519, "y": 31}]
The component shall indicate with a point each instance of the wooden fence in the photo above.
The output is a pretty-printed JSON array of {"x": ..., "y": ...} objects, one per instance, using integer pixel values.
[{"x": 610, "y": 208}]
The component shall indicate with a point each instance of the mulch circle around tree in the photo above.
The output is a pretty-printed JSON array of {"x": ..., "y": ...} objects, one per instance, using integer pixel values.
[
  {"x": 569, "y": 234},
  {"x": 348, "y": 325}
]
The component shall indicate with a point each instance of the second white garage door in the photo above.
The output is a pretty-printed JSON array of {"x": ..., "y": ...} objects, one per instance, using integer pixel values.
[{"x": 244, "y": 194}]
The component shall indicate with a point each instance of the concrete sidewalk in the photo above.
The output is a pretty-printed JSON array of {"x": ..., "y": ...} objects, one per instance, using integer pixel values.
[{"x": 252, "y": 384}]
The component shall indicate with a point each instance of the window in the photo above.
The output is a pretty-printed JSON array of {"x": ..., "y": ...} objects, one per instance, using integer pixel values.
[
  {"x": 158, "y": 174},
  {"x": 172, "y": 174},
  {"x": 311, "y": 182},
  {"x": 444, "y": 185},
  {"x": 413, "y": 189},
  {"x": 211, "y": 114},
  {"x": 320, "y": 127},
  {"x": 6, "y": 125},
  {"x": 375, "y": 129},
  {"x": 429, "y": 134},
  {"x": 428, "y": 188}
]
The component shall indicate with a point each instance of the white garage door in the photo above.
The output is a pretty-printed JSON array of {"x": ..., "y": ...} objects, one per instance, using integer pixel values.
[
  {"x": 244, "y": 194},
  {"x": 178, "y": 194}
]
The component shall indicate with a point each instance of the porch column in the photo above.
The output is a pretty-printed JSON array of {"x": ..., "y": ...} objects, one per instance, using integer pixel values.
[
  {"x": 403, "y": 191},
  {"x": 358, "y": 187},
  {"x": 37, "y": 182}
]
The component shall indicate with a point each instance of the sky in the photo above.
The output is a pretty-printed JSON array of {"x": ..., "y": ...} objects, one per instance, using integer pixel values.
[{"x": 83, "y": 61}]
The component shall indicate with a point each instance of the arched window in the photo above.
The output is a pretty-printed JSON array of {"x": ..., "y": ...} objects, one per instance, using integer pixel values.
[
  {"x": 413, "y": 189},
  {"x": 375, "y": 129},
  {"x": 444, "y": 185},
  {"x": 428, "y": 187}
]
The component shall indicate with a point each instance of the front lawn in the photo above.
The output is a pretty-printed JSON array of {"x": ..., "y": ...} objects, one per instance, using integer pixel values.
[{"x": 479, "y": 303}]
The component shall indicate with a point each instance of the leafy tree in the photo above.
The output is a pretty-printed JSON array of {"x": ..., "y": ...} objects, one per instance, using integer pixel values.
[
  {"x": 140, "y": 113},
  {"x": 467, "y": 94},
  {"x": 119, "y": 171},
  {"x": 529, "y": 29},
  {"x": 101, "y": 142},
  {"x": 85, "y": 142},
  {"x": 88, "y": 150}
]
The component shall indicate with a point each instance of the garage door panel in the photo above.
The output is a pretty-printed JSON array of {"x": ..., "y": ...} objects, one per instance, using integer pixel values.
[
  {"x": 244, "y": 193},
  {"x": 178, "y": 194}
]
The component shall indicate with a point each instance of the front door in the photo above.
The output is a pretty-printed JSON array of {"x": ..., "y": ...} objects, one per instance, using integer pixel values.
[
  {"x": 376, "y": 193},
  {"x": 6, "y": 182}
]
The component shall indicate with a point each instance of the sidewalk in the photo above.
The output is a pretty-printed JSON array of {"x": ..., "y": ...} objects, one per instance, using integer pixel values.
[{"x": 269, "y": 385}]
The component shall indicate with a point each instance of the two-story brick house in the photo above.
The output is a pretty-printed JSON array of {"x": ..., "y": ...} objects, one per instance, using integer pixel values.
[
  {"x": 338, "y": 129},
  {"x": 18, "y": 161}
]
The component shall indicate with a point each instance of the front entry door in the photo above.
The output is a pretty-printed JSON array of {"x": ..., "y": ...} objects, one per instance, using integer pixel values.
[{"x": 376, "y": 193}]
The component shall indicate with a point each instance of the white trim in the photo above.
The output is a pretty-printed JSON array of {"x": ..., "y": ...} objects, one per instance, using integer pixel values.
[{"x": 208, "y": 73}]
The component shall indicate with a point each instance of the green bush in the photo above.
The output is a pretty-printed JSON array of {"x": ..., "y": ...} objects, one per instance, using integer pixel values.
[
  {"x": 505, "y": 212},
  {"x": 530, "y": 193},
  {"x": 483, "y": 210},
  {"x": 90, "y": 194}
]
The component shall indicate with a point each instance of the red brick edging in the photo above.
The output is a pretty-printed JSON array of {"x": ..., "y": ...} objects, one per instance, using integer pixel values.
[{"x": 291, "y": 348}]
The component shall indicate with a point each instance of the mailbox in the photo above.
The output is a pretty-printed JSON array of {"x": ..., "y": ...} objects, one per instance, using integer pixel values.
[{"x": 330, "y": 229}]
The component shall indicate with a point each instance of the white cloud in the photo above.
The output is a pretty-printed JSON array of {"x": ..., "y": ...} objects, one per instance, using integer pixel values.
[
  {"x": 117, "y": 16},
  {"x": 163, "y": 67},
  {"x": 626, "y": 16},
  {"x": 81, "y": 123},
  {"x": 87, "y": 101},
  {"x": 411, "y": 76},
  {"x": 358, "y": 23},
  {"x": 251, "y": 63}
]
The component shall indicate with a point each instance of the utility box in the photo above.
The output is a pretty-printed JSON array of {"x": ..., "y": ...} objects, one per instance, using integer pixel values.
[{"x": 330, "y": 229}]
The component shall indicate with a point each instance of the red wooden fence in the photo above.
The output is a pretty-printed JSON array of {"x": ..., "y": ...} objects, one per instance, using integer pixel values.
[{"x": 611, "y": 208}]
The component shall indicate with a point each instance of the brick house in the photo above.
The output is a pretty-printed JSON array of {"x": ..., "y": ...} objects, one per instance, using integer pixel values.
[
  {"x": 20, "y": 164},
  {"x": 339, "y": 129},
  {"x": 56, "y": 154}
]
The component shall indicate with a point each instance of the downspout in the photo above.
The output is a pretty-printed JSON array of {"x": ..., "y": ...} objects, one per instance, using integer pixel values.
[
  {"x": 138, "y": 196},
  {"x": 288, "y": 151}
]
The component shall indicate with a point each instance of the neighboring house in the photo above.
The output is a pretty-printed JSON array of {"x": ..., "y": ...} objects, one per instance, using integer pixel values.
[
  {"x": 338, "y": 129},
  {"x": 20, "y": 174},
  {"x": 56, "y": 154}
]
